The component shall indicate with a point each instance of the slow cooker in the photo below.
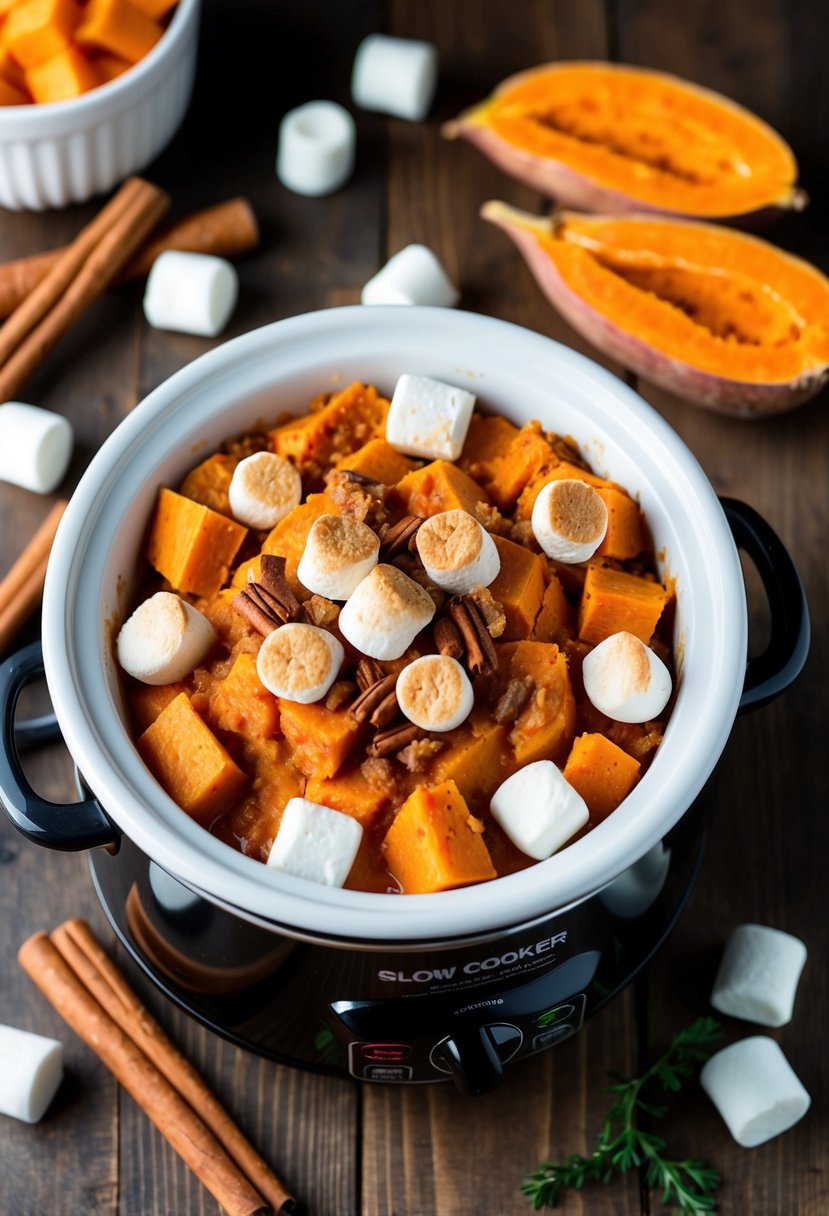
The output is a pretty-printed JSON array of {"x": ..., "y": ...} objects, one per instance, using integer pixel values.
[{"x": 400, "y": 989}]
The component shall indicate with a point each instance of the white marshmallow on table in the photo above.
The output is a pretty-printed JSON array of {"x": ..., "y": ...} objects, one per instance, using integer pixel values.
[
  {"x": 428, "y": 418},
  {"x": 35, "y": 446},
  {"x": 538, "y": 809},
  {"x": 192, "y": 293},
  {"x": 263, "y": 489},
  {"x": 412, "y": 276},
  {"x": 315, "y": 842},
  {"x": 435, "y": 693},
  {"x": 457, "y": 553},
  {"x": 31, "y": 1070},
  {"x": 338, "y": 554},
  {"x": 758, "y": 975},
  {"x": 385, "y": 613},
  {"x": 164, "y": 639},
  {"x": 625, "y": 680},
  {"x": 316, "y": 148},
  {"x": 569, "y": 520},
  {"x": 755, "y": 1089},
  {"x": 299, "y": 662},
  {"x": 395, "y": 76}
]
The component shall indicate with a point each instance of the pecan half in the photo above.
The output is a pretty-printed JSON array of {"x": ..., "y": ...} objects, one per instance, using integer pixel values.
[
  {"x": 513, "y": 700},
  {"x": 268, "y": 602},
  {"x": 369, "y": 672},
  {"x": 481, "y": 656},
  {"x": 372, "y": 701},
  {"x": 390, "y": 742},
  {"x": 399, "y": 536}
]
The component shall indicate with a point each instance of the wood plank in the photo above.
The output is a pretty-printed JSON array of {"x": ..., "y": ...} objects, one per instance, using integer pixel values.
[{"x": 772, "y": 778}]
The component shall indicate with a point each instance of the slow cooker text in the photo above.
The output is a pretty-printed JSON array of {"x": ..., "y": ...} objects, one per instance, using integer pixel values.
[{"x": 476, "y": 966}]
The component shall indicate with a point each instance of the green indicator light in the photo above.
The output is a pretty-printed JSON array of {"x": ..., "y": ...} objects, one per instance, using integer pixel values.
[{"x": 547, "y": 1019}]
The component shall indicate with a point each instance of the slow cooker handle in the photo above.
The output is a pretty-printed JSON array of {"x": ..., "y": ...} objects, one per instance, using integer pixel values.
[
  {"x": 55, "y": 825},
  {"x": 770, "y": 673}
]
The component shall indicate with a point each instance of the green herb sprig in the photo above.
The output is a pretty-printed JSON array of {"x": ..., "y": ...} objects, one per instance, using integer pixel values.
[{"x": 621, "y": 1146}]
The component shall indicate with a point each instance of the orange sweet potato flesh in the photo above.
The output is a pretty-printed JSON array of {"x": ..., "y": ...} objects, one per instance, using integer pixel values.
[
  {"x": 148, "y": 700},
  {"x": 350, "y": 793},
  {"x": 561, "y": 470},
  {"x": 601, "y": 772},
  {"x": 288, "y": 539},
  {"x": 439, "y": 486},
  {"x": 488, "y": 437},
  {"x": 209, "y": 482},
  {"x": 347, "y": 422},
  {"x": 556, "y": 617},
  {"x": 476, "y": 757},
  {"x": 10, "y": 95},
  {"x": 435, "y": 844},
  {"x": 189, "y": 761},
  {"x": 190, "y": 545},
  {"x": 379, "y": 461},
  {"x": 65, "y": 75},
  {"x": 252, "y": 823},
  {"x": 505, "y": 476},
  {"x": 39, "y": 29},
  {"x": 519, "y": 587},
  {"x": 616, "y": 602},
  {"x": 322, "y": 739},
  {"x": 626, "y": 536},
  {"x": 118, "y": 27},
  {"x": 241, "y": 703},
  {"x": 545, "y": 728}
]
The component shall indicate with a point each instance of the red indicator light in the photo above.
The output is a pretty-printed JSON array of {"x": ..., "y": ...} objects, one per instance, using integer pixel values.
[{"x": 385, "y": 1053}]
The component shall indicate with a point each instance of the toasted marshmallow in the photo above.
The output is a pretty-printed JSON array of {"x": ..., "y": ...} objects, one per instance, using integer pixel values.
[
  {"x": 299, "y": 662},
  {"x": 428, "y": 418},
  {"x": 569, "y": 520},
  {"x": 457, "y": 553},
  {"x": 385, "y": 613},
  {"x": 263, "y": 489},
  {"x": 164, "y": 639},
  {"x": 31, "y": 1068},
  {"x": 625, "y": 680},
  {"x": 538, "y": 809},
  {"x": 338, "y": 554},
  {"x": 755, "y": 1089},
  {"x": 758, "y": 975},
  {"x": 315, "y": 842},
  {"x": 434, "y": 692}
]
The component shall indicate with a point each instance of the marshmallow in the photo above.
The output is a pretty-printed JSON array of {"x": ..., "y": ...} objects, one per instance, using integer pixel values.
[
  {"x": 299, "y": 662},
  {"x": 538, "y": 809},
  {"x": 434, "y": 692},
  {"x": 385, "y": 613},
  {"x": 338, "y": 554},
  {"x": 263, "y": 489},
  {"x": 315, "y": 842},
  {"x": 31, "y": 1070},
  {"x": 412, "y": 276},
  {"x": 569, "y": 520},
  {"x": 395, "y": 76},
  {"x": 35, "y": 447},
  {"x": 457, "y": 553},
  {"x": 758, "y": 975},
  {"x": 428, "y": 418},
  {"x": 192, "y": 293},
  {"x": 316, "y": 148},
  {"x": 625, "y": 680},
  {"x": 164, "y": 639},
  {"x": 755, "y": 1089}
]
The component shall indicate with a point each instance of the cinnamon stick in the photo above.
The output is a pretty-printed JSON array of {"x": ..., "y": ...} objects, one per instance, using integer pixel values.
[
  {"x": 22, "y": 587},
  {"x": 88, "y": 265},
  {"x": 184, "y": 1126},
  {"x": 226, "y": 230}
]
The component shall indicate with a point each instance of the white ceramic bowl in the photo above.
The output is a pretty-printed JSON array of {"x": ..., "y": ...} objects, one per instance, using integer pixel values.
[
  {"x": 67, "y": 151},
  {"x": 96, "y": 558}
]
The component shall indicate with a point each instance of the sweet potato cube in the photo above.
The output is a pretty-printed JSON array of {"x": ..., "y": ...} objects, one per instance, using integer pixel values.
[
  {"x": 555, "y": 620},
  {"x": 67, "y": 74},
  {"x": 379, "y": 461},
  {"x": 288, "y": 538},
  {"x": 118, "y": 27},
  {"x": 252, "y": 823},
  {"x": 10, "y": 95},
  {"x": 487, "y": 437},
  {"x": 626, "y": 534},
  {"x": 435, "y": 844},
  {"x": 209, "y": 482},
  {"x": 10, "y": 69},
  {"x": 350, "y": 793},
  {"x": 148, "y": 700},
  {"x": 190, "y": 763},
  {"x": 348, "y": 421},
  {"x": 439, "y": 486},
  {"x": 242, "y": 704},
  {"x": 506, "y": 476},
  {"x": 39, "y": 29},
  {"x": 322, "y": 739},
  {"x": 546, "y": 725},
  {"x": 601, "y": 772},
  {"x": 476, "y": 757},
  {"x": 110, "y": 67},
  {"x": 562, "y": 471},
  {"x": 613, "y": 602},
  {"x": 190, "y": 545},
  {"x": 519, "y": 587}
]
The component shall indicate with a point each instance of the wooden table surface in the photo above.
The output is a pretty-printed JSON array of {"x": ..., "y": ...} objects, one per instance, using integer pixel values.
[{"x": 426, "y": 1150}]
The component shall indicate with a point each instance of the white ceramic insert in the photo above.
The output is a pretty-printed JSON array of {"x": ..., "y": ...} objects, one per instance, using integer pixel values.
[{"x": 281, "y": 367}]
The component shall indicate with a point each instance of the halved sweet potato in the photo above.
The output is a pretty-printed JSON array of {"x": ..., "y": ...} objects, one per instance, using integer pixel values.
[{"x": 435, "y": 843}]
